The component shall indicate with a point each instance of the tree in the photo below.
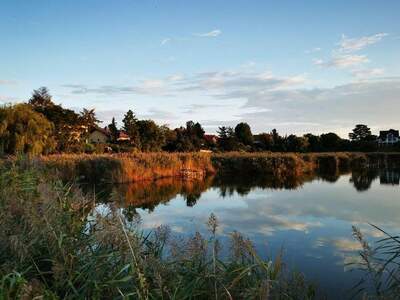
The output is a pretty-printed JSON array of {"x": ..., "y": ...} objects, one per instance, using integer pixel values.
[
  {"x": 88, "y": 118},
  {"x": 113, "y": 130},
  {"x": 68, "y": 130},
  {"x": 314, "y": 142},
  {"x": 22, "y": 130},
  {"x": 227, "y": 140},
  {"x": 330, "y": 141},
  {"x": 152, "y": 137},
  {"x": 360, "y": 133},
  {"x": 194, "y": 134},
  {"x": 243, "y": 133},
  {"x": 41, "y": 98},
  {"x": 265, "y": 140},
  {"x": 296, "y": 144},
  {"x": 130, "y": 126},
  {"x": 277, "y": 141}
]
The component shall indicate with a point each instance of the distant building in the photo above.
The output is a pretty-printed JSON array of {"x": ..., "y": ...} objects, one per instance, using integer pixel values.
[
  {"x": 388, "y": 137},
  {"x": 123, "y": 137},
  {"x": 99, "y": 136},
  {"x": 211, "y": 138}
]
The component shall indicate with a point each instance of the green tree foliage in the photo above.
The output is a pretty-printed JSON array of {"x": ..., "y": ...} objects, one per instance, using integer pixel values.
[
  {"x": 296, "y": 143},
  {"x": 68, "y": 131},
  {"x": 22, "y": 130},
  {"x": 41, "y": 98},
  {"x": 263, "y": 141},
  {"x": 195, "y": 134},
  {"x": 88, "y": 118},
  {"x": 278, "y": 143},
  {"x": 243, "y": 133},
  {"x": 112, "y": 127},
  {"x": 186, "y": 139},
  {"x": 360, "y": 133},
  {"x": 152, "y": 137},
  {"x": 330, "y": 142},
  {"x": 314, "y": 142},
  {"x": 227, "y": 139},
  {"x": 131, "y": 128}
]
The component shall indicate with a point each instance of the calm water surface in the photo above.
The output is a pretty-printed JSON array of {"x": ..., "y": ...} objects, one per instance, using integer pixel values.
[{"x": 309, "y": 218}]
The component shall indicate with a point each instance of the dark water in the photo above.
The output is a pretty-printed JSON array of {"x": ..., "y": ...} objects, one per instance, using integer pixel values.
[{"x": 310, "y": 218}]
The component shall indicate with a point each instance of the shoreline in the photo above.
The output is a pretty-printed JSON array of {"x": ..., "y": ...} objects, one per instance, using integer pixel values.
[{"x": 136, "y": 167}]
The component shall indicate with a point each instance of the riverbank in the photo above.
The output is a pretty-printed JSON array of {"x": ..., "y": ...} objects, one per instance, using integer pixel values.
[{"x": 124, "y": 168}]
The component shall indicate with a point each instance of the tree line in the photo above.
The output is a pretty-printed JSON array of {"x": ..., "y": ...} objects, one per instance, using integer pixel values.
[{"x": 40, "y": 126}]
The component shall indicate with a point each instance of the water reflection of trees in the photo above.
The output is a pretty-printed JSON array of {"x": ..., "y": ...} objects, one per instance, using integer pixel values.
[
  {"x": 362, "y": 178},
  {"x": 149, "y": 194},
  {"x": 243, "y": 185}
]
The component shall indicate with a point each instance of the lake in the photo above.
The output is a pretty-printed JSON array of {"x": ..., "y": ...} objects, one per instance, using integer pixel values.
[{"x": 309, "y": 218}]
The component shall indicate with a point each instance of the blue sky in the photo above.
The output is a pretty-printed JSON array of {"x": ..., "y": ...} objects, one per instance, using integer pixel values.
[{"x": 297, "y": 66}]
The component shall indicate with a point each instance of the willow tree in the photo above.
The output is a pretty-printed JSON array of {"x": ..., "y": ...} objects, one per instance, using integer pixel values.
[{"x": 24, "y": 131}]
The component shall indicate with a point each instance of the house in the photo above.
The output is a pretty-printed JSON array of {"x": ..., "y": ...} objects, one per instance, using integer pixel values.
[
  {"x": 123, "y": 137},
  {"x": 211, "y": 138},
  {"x": 99, "y": 136},
  {"x": 388, "y": 137}
]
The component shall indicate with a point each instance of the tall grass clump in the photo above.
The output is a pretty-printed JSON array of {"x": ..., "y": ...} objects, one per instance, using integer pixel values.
[
  {"x": 57, "y": 244},
  {"x": 122, "y": 168},
  {"x": 380, "y": 263}
]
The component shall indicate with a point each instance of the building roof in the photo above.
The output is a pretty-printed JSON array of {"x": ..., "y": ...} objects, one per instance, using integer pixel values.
[
  {"x": 383, "y": 133},
  {"x": 102, "y": 130},
  {"x": 123, "y": 136},
  {"x": 210, "y": 137}
]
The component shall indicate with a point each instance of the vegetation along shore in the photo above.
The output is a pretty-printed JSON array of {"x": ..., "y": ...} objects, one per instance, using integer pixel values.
[{"x": 123, "y": 168}]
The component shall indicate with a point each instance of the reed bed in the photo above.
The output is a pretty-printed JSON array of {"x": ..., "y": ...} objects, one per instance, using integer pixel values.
[{"x": 123, "y": 168}]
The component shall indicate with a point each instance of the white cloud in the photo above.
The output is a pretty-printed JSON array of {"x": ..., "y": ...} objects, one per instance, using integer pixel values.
[
  {"x": 346, "y": 245},
  {"x": 313, "y": 50},
  {"x": 343, "y": 61},
  {"x": 368, "y": 73},
  {"x": 7, "y": 82},
  {"x": 213, "y": 33},
  {"x": 355, "y": 44},
  {"x": 165, "y": 41}
]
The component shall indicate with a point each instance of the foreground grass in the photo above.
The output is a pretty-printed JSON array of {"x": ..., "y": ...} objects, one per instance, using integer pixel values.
[
  {"x": 54, "y": 245},
  {"x": 380, "y": 262}
]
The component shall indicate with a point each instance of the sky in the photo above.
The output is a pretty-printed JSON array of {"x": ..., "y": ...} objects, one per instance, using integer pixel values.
[{"x": 297, "y": 66}]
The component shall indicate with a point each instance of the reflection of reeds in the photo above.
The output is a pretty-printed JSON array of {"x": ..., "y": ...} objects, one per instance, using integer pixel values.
[{"x": 50, "y": 249}]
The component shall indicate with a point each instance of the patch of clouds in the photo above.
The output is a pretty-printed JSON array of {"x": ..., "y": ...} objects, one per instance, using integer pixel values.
[
  {"x": 213, "y": 33},
  {"x": 342, "y": 61},
  {"x": 8, "y": 99},
  {"x": 144, "y": 87},
  {"x": 348, "y": 45},
  {"x": 7, "y": 82},
  {"x": 368, "y": 73},
  {"x": 313, "y": 50},
  {"x": 343, "y": 56},
  {"x": 165, "y": 41},
  {"x": 346, "y": 245},
  {"x": 159, "y": 114},
  {"x": 290, "y": 104},
  {"x": 242, "y": 81},
  {"x": 328, "y": 109}
]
